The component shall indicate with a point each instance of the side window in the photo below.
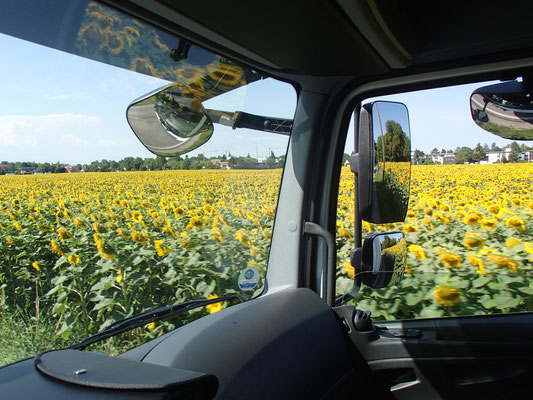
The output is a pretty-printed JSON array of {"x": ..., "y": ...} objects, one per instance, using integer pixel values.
[{"x": 468, "y": 226}]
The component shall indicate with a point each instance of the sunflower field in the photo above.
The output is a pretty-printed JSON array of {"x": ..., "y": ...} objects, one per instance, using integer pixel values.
[
  {"x": 88, "y": 249},
  {"x": 93, "y": 248}
]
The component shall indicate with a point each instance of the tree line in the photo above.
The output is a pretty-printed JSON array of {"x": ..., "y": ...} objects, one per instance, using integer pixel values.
[{"x": 146, "y": 164}]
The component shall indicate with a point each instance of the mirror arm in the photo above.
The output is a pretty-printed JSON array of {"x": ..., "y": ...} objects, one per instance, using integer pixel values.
[{"x": 240, "y": 119}]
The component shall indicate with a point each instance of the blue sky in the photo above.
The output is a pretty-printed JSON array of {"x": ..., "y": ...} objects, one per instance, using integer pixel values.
[{"x": 59, "y": 107}]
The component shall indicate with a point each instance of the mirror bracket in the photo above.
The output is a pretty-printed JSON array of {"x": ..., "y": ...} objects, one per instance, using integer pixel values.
[{"x": 354, "y": 162}]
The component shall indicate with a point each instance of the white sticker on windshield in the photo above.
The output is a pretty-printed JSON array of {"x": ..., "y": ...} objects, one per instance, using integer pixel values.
[{"x": 249, "y": 278}]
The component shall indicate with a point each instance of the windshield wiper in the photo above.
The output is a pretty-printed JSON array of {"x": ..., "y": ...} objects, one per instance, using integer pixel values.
[{"x": 147, "y": 317}]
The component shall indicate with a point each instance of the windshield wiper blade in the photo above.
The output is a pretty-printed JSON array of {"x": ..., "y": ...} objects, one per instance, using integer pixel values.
[{"x": 147, "y": 317}]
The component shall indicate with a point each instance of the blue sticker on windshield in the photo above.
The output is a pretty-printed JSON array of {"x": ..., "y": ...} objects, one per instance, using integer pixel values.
[{"x": 249, "y": 278}]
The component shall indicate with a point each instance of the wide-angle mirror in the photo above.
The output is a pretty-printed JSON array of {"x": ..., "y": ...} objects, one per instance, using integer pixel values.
[
  {"x": 383, "y": 259},
  {"x": 504, "y": 109},
  {"x": 383, "y": 163},
  {"x": 170, "y": 121}
]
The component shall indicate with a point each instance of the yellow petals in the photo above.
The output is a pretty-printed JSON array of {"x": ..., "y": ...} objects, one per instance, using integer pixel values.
[
  {"x": 349, "y": 269},
  {"x": 73, "y": 259},
  {"x": 35, "y": 266},
  {"x": 512, "y": 242},
  {"x": 418, "y": 252},
  {"x": 150, "y": 326},
  {"x": 215, "y": 307},
  {"x": 477, "y": 262},
  {"x": 502, "y": 261},
  {"x": 160, "y": 249},
  {"x": 63, "y": 234}
]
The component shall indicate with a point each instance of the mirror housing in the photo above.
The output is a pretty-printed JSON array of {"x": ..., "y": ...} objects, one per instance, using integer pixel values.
[
  {"x": 170, "y": 121},
  {"x": 504, "y": 109},
  {"x": 382, "y": 259},
  {"x": 383, "y": 162}
]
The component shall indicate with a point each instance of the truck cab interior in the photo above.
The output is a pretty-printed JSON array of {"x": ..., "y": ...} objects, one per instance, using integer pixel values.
[{"x": 295, "y": 340}]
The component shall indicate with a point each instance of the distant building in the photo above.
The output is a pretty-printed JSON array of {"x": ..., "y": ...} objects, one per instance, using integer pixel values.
[
  {"x": 500, "y": 156},
  {"x": 27, "y": 170},
  {"x": 443, "y": 158},
  {"x": 222, "y": 164}
]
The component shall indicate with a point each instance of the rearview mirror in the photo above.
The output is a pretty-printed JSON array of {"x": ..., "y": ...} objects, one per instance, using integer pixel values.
[
  {"x": 383, "y": 162},
  {"x": 170, "y": 121},
  {"x": 504, "y": 109},
  {"x": 382, "y": 260}
]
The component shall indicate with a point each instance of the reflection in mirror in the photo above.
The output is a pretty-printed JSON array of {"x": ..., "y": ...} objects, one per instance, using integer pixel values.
[
  {"x": 504, "y": 109},
  {"x": 170, "y": 121},
  {"x": 383, "y": 259},
  {"x": 391, "y": 163}
]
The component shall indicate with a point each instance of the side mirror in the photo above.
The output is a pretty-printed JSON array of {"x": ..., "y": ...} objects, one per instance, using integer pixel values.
[
  {"x": 170, "y": 121},
  {"x": 504, "y": 109},
  {"x": 381, "y": 261},
  {"x": 383, "y": 162}
]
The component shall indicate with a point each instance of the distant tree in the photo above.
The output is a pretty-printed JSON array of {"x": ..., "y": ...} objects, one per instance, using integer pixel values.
[
  {"x": 514, "y": 155},
  {"x": 494, "y": 147},
  {"x": 435, "y": 151},
  {"x": 464, "y": 155},
  {"x": 271, "y": 160},
  {"x": 479, "y": 153},
  {"x": 418, "y": 156},
  {"x": 397, "y": 144}
]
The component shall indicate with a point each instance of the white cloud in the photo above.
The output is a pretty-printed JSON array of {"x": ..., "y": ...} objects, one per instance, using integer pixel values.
[
  {"x": 62, "y": 97},
  {"x": 32, "y": 130},
  {"x": 105, "y": 143}
]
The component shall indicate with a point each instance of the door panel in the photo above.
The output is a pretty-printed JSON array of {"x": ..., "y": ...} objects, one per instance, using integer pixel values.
[{"x": 489, "y": 357}]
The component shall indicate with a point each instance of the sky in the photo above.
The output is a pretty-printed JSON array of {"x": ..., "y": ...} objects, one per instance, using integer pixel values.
[{"x": 57, "y": 107}]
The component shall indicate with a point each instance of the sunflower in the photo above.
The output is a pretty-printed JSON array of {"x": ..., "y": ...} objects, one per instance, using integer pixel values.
[
  {"x": 503, "y": 261},
  {"x": 215, "y": 307},
  {"x": 449, "y": 259},
  {"x": 517, "y": 223},
  {"x": 74, "y": 259},
  {"x": 477, "y": 262},
  {"x": 349, "y": 269},
  {"x": 63, "y": 234},
  {"x": 489, "y": 223},
  {"x": 142, "y": 65},
  {"x": 194, "y": 222},
  {"x": 512, "y": 242},
  {"x": 472, "y": 239},
  {"x": 472, "y": 219},
  {"x": 132, "y": 32},
  {"x": 418, "y": 252},
  {"x": 447, "y": 296},
  {"x": 114, "y": 43},
  {"x": 92, "y": 37},
  {"x": 227, "y": 74}
]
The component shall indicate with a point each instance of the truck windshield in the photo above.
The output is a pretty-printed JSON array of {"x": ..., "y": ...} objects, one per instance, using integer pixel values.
[{"x": 94, "y": 227}]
